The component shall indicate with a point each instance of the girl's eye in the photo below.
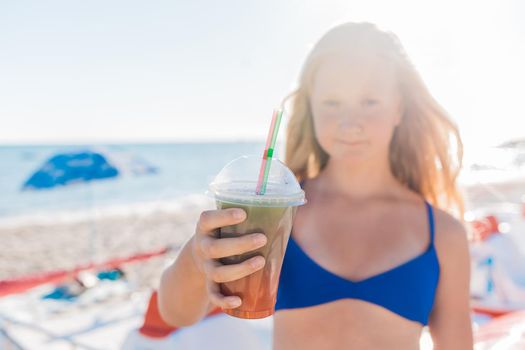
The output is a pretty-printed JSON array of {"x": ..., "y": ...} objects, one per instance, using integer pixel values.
[
  {"x": 331, "y": 103},
  {"x": 370, "y": 102}
]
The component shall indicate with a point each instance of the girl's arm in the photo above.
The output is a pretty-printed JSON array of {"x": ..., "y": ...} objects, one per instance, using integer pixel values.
[
  {"x": 450, "y": 323},
  {"x": 189, "y": 288}
]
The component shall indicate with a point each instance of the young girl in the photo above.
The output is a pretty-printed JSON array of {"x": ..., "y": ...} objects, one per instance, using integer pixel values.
[{"x": 373, "y": 256}]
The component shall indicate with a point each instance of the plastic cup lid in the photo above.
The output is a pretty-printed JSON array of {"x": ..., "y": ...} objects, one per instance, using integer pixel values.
[{"x": 237, "y": 182}]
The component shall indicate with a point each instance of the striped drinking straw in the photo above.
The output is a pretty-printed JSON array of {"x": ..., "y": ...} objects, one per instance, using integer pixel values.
[{"x": 268, "y": 152}]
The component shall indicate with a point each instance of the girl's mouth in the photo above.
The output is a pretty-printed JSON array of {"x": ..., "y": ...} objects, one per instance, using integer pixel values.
[{"x": 352, "y": 143}]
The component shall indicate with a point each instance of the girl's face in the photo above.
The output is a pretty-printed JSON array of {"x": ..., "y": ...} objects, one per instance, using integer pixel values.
[{"x": 355, "y": 105}]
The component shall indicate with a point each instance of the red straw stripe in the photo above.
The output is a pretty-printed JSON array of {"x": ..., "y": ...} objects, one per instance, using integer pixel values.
[{"x": 268, "y": 142}]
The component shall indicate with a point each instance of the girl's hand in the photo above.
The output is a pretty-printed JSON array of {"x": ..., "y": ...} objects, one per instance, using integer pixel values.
[{"x": 207, "y": 249}]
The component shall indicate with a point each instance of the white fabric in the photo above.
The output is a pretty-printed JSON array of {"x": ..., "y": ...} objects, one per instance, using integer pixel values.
[{"x": 219, "y": 332}]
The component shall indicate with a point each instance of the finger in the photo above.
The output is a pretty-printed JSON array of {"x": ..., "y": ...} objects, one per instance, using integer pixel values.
[
  {"x": 222, "y": 301},
  {"x": 211, "y": 220},
  {"x": 213, "y": 248},
  {"x": 225, "y": 273}
]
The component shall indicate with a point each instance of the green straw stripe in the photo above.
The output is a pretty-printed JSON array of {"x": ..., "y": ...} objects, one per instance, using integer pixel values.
[
  {"x": 276, "y": 128},
  {"x": 270, "y": 152}
]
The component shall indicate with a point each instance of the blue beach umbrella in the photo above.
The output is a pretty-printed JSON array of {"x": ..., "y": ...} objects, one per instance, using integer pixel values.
[
  {"x": 85, "y": 166},
  {"x": 64, "y": 169}
]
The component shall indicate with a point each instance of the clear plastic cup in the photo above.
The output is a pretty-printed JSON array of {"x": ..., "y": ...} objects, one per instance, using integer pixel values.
[{"x": 271, "y": 213}]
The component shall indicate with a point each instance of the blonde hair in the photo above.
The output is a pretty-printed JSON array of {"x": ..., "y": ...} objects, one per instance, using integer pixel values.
[{"x": 425, "y": 152}]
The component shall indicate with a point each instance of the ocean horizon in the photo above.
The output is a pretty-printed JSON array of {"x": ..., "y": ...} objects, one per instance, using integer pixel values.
[{"x": 184, "y": 169}]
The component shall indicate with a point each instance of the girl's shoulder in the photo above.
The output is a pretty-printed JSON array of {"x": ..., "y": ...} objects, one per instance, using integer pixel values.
[{"x": 450, "y": 235}]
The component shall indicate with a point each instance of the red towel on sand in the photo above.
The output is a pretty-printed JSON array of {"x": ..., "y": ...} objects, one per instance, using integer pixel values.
[{"x": 154, "y": 326}]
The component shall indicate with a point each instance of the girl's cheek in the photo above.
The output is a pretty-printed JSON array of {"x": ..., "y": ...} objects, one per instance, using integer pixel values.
[
  {"x": 325, "y": 118},
  {"x": 324, "y": 130}
]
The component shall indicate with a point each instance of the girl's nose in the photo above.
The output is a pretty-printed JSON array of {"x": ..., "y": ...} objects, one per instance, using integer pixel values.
[
  {"x": 351, "y": 121},
  {"x": 351, "y": 128}
]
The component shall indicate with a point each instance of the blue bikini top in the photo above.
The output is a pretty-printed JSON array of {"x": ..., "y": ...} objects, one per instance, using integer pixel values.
[{"x": 407, "y": 290}]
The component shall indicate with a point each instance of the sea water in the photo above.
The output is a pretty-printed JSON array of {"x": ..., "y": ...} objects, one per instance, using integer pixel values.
[{"x": 184, "y": 169}]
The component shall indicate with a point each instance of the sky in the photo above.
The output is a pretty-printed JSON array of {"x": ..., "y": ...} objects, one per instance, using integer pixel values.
[{"x": 178, "y": 71}]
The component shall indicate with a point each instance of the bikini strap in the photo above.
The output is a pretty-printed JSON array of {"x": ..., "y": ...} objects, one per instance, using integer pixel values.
[{"x": 430, "y": 221}]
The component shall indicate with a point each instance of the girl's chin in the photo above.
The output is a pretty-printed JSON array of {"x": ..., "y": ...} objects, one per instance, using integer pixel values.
[
  {"x": 349, "y": 157},
  {"x": 351, "y": 150}
]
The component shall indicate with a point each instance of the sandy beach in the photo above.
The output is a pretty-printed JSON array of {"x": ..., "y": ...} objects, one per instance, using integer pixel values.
[
  {"x": 60, "y": 241},
  {"x": 64, "y": 240}
]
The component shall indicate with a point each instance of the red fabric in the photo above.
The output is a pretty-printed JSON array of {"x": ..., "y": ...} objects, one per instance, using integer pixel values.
[
  {"x": 492, "y": 222},
  {"x": 154, "y": 326},
  {"x": 21, "y": 284},
  {"x": 501, "y": 327},
  {"x": 492, "y": 312},
  {"x": 484, "y": 228}
]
